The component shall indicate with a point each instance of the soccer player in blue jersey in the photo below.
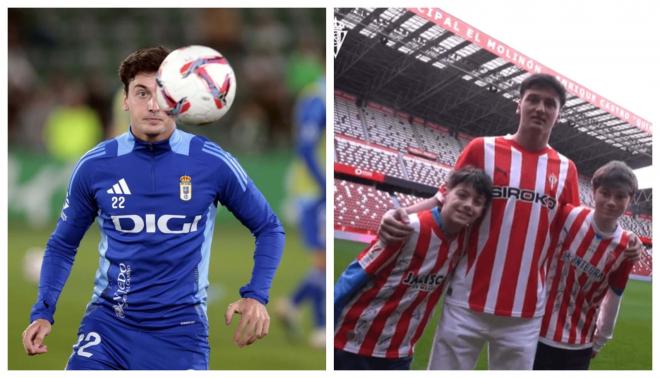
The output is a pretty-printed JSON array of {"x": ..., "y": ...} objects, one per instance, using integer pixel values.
[
  {"x": 307, "y": 183},
  {"x": 154, "y": 193}
]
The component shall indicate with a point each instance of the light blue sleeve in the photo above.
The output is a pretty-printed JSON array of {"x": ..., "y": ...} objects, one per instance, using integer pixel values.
[{"x": 350, "y": 281}]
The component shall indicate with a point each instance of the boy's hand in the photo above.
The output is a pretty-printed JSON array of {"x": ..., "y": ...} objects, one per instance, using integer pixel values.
[
  {"x": 394, "y": 226},
  {"x": 634, "y": 250}
]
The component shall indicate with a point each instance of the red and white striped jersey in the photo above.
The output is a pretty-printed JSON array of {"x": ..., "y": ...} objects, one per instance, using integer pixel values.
[
  {"x": 503, "y": 271},
  {"x": 584, "y": 265},
  {"x": 386, "y": 317}
]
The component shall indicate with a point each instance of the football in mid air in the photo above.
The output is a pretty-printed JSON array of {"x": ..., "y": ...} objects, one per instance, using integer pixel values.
[{"x": 196, "y": 85}]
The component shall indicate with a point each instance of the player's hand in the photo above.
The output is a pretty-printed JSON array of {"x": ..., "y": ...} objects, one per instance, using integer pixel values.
[
  {"x": 394, "y": 227},
  {"x": 634, "y": 250},
  {"x": 34, "y": 335},
  {"x": 254, "y": 321},
  {"x": 593, "y": 354}
]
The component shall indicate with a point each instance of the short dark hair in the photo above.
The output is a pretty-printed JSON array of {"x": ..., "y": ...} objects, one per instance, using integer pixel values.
[
  {"x": 142, "y": 60},
  {"x": 544, "y": 80},
  {"x": 615, "y": 174},
  {"x": 474, "y": 177}
]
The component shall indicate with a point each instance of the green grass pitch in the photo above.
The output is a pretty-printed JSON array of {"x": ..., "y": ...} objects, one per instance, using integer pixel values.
[
  {"x": 629, "y": 350},
  {"x": 230, "y": 268}
]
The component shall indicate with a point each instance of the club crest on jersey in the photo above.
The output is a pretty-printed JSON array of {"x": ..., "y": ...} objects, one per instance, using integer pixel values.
[
  {"x": 553, "y": 181},
  {"x": 185, "y": 188}
]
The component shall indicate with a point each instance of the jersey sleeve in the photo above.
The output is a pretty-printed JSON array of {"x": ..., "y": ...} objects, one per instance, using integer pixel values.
[
  {"x": 619, "y": 278},
  {"x": 310, "y": 120},
  {"x": 349, "y": 283},
  {"x": 607, "y": 314},
  {"x": 238, "y": 193},
  {"x": 77, "y": 214}
]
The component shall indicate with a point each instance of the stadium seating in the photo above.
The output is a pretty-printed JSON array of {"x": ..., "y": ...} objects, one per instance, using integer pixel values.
[
  {"x": 389, "y": 130},
  {"x": 438, "y": 142},
  {"x": 368, "y": 158},
  {"x": 406, "y": 200},
  {"x": 638, "y": 225},
  {"x": 359, "y": 206},
  {"x": 586, "y": 193},
  {"x": 347, "y": 118},
  {"x": 424, "y": 172},
  {"x": 643, "y": 266}
]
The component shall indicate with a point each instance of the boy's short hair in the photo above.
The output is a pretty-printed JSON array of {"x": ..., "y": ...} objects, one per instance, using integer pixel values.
[
  {"x": 473, "y": 177},
  {"x": 615, "y": 174},
  {"x": 142, "y": 60},
  {"x": 546, "y": 81}
]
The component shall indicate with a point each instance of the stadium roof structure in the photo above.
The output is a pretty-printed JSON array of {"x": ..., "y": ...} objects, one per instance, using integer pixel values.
[{"x": 430, "y": 64}]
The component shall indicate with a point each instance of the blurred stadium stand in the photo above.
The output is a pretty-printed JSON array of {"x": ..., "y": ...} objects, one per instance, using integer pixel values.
[{"x": 274, "y": 52}]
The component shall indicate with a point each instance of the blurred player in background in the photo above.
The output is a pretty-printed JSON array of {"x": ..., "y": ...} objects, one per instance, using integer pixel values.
[
  {"x": 307, "y": 184},
  {"x": 385, "y": 297},
  {"x": 154, "y": 192},
  {"x": 587, "y": 274}
]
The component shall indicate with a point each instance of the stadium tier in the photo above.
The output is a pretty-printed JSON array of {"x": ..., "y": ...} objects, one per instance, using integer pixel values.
[
  {"x": 388, "y": 130},
  {"x": 424, "y": 172},
  {"x": 438, "y": 142},
  {"x": 347, "y": 118},
  {"x": 367, "y": 157},
  {"x": 358, "y": 208}
]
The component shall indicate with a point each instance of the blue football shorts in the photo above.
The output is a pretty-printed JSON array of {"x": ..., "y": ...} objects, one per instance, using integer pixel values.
[{"x": 105, "y": 343}]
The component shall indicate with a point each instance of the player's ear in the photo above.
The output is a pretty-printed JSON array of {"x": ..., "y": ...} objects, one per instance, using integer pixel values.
[{"x": 124, "y": 103}]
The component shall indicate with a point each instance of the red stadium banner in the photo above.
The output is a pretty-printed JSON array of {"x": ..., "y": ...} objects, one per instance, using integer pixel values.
[
  {"x": 357, "y": 172},
  {"x": 422, "y": 153},
  {"x": 479, "y": 38}
]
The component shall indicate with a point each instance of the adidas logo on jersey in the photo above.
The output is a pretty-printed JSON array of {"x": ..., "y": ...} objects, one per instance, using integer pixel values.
[{"x": 120, "y": 188}]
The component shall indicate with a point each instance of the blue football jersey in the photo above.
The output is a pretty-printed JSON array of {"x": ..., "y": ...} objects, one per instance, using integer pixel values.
[
  {"x": 155, "y": 205},
  {"x": 310, "y": 131}
]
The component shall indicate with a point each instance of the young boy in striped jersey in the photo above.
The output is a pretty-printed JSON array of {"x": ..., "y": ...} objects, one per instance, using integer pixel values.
[
  {"x": 385, "y": 297},
  {"x": 587, "y": 274}
]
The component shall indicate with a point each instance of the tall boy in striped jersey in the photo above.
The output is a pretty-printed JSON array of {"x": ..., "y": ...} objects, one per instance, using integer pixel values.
[
  {"x": 496, "y": 294},
  {"x": 588, "y": 273},
  {"x": 383, "y": 300}
]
